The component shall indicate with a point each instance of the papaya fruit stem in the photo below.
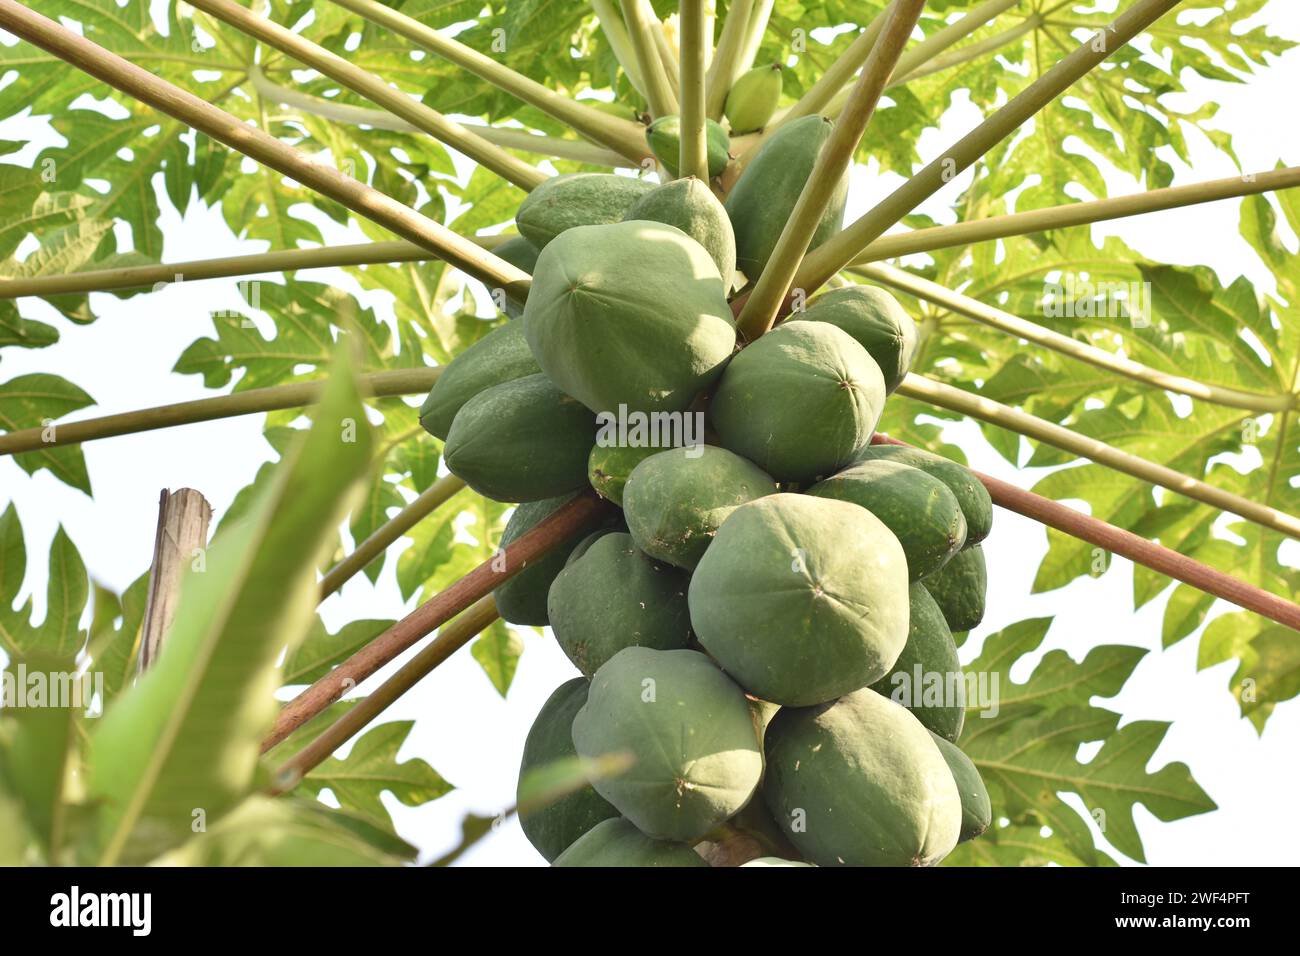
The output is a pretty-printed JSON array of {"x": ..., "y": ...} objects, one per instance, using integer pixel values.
[
  {"x": 842, "y": 248},
  {"x": 761, "y": 308},
  {"x": 361, "y": 81}
]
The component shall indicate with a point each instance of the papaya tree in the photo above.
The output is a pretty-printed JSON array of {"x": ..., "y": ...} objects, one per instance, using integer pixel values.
[{"x": 641, "y": 206}]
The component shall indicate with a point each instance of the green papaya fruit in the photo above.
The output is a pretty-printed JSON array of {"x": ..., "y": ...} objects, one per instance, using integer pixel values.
[
  {"x": 664, "y": 137},
  {"x": 500, "y": 356},
  {"x": 691, "y": 206},
  {"x": 875, "y": 320},
  {"x": 609, "y": 466},
  {"x": 613, "y": 596},
  {"x": 773, "y": 861},
  {"x": 581, "y": 548},
  {"x": 629, "y": 317},
  {"x": 927, "y": 677},
  {"x": 618, "y": 843},
  {"x": 976, "y": 808},
  {"x": 859, "y": 782},
  {"x": 521, "y": 254},
  {"x": 554, "y": 827},
  {"x": 976, "y": 505},
  {"x": 923, "y": 514},
  {"x": 688, "y": 729},
  {"x": 766, "y": 192},
  {"x": 753, "y": 98},
  {"x": 799, "y": 402},
  {"x": 522, "y": 440},
  {"x": 801, "y": 599},
  {"x": 959, "y": 588},
  {"x": 675, "y": 501},
  {"x": 522, "y": 598},
  {"x": 578, "y": 199}
]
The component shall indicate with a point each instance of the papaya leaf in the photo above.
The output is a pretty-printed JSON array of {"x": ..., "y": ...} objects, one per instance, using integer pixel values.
[
  {"x": 115, "y": 635},
  {"x": 498, "y": 650},
  {"x": 182, "y": 745},
  {"x": 30, "y": 401},
  {"x": 370, "y": 769},
  {"x": 262, "y": 831},
  {"x": 320, "y": 651}
]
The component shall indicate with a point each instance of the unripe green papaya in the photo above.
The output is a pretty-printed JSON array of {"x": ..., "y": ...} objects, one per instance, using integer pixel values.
[
  {"x": 927, "y": 677},
  {"x": 800, "y": 401},
  {"x": 578, "y": 199},
  {"x": 522, "y": 440},
  {"x": 554, "y": 827},
  {"x": 875, "y": 320},
  {"x": 521, "y": 254},
  {"x": 801, "y": 599},
  {"x": 859, "y": 782},
  {"x": 618, "y": 843},
  {"x": 632, "y": 314},
  {"x": 500, "y": 356},
  {"x": 613, "y": 596},
  {"x": 923, "y": 514},
  {"x": 753, "y": 98},
  {"x": 976, "y": 505},
  {"x": 522, "y": 598},
  {"x": 765, "y": 194},
  {"x": 976, "y": 808},
  {"x": 959, "y": 588},
  {"x": 675, "y": 501},
  {"x": 691, "y": 206},
  {"x": 687, "y": 727},
  {"x": 581, "y": 548},
  {"x": 664, "y": 137},
  {"x": 609, "y": 466}
]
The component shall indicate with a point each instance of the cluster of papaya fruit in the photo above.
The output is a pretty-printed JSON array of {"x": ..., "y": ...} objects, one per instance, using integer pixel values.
[{"x": 761, "y": 624}]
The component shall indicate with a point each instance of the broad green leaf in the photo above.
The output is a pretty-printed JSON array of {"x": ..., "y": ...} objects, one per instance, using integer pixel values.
[
  {"x": 320, "y": 651},
  {"x": 498, "y": 650},
  {"x": 36, "y": 401},
  {"x": 183, "y": 744}
]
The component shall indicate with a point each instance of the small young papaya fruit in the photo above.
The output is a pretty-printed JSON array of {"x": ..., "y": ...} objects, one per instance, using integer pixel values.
[
  {"x": 753, "y": 98},
  {"x": 675, "y": 500},
  {"x": 629, "y": 317},
  {"x": 617, "y": 842},
  {"x": 613, "y": 596},
  {"x": 801, "y": 599},
  {"x": 577, "y": 199},
  {"x": 691, "y": 206},
  {"x": 664, "y": 137},
  {"x": 552, "y": 828},
  {"x": 696, "y": 759},
  {"x": 765, "y": 194},
  {"x": 960, "y": 587},
  {"x": 800, "y": 401},
  {"x": 522, "y": 440},
  {"x": 609, "y": 466},
  {"x": 859, "y": 782},
  {"x": 500, "y": 356},
  {"x": 875, "y": 320},
  {"x": 927, "y": 677},
  {"x": 976, "y": 808},
  {"x": 919, "y": 508}
]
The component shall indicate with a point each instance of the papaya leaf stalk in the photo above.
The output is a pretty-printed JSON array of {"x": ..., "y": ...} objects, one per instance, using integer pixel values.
[
  {"x": 1082, "y": 351},
  {"x": 760, "y": 15},
  {"x": 694, "y": 159},
  {"x": 611, "y": 24},
  {"x": 722, "y": 70},
  {"x": 838, "y": 75},
  {"x": 620, "y": 135},
  {"x": 1031, "y": 426},
  {"x": 760, "y": 309},
  {"x": 259, "y": 145},
  {"x": 829, "y": 258},
  {"x": 430, "y": 121},
  {"x": 658, "y": 91}
]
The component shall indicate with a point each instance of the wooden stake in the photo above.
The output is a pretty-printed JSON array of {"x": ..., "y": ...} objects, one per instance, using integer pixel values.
[{"x": 181, "y": 537}]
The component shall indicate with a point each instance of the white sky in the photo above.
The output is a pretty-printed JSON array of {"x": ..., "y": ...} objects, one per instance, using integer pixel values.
[{"x": 473, "y": 736}]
